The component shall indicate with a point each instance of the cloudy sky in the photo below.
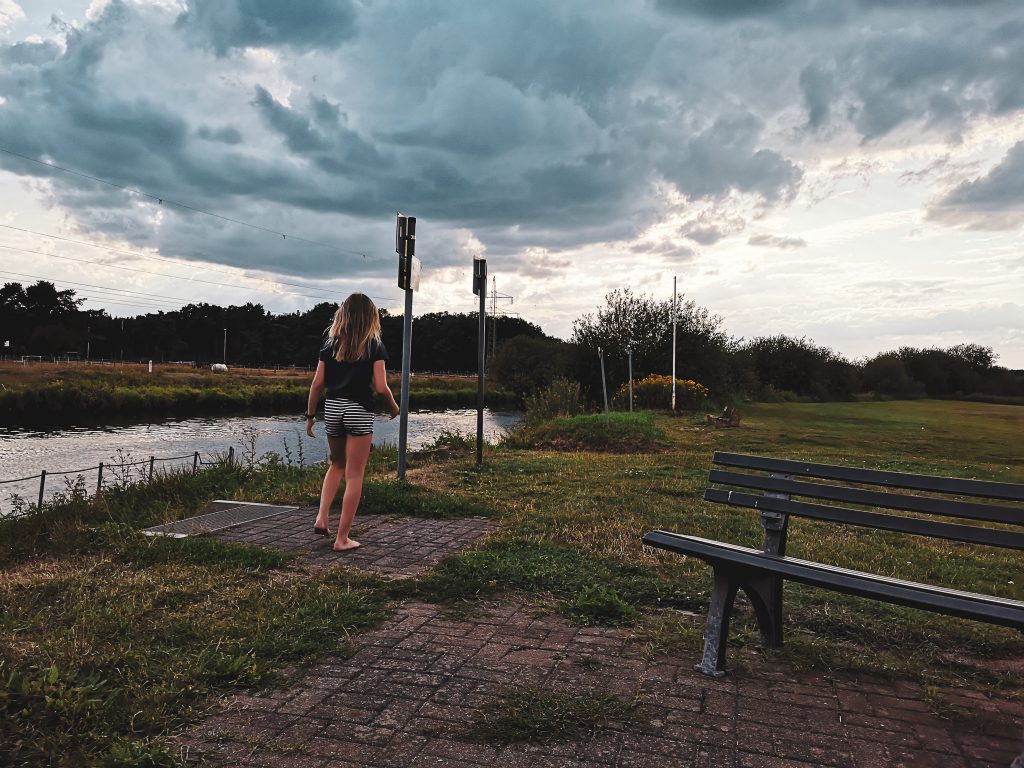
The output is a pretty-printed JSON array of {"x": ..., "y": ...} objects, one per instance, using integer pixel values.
[{"x": 849, "y": 172}]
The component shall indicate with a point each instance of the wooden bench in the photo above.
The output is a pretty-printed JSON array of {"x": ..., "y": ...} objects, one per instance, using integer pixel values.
[{"x": 761, "y": 573}]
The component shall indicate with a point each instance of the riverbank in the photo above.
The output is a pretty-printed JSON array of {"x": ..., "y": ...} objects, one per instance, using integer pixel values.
[
  {"x": 132, "y": 637},
  {"x": 63, "y": 394}
]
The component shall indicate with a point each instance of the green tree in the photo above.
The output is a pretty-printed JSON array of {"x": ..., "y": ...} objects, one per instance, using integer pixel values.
[{"x": 643, "y": 324}]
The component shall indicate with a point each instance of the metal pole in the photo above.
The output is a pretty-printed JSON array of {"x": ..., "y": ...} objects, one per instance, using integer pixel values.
[
  {"x": 403, "y": 424},
  {"x": 99, "y": 480},
  {"x": 42, "y": 486},
  {"x": 604, "y": 386},
  {"x": 195, "y": 463},
  {"x": 481, "y": 344},
  {"x": 225, "y": 360},
  {"x": 631, "y": 381},
  {"x": 673, "y": 344}
]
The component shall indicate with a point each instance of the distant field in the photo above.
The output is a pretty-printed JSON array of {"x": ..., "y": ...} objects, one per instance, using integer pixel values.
[
  {"x": 16, "y": 375},
  {"x": 58, "y": 394}
]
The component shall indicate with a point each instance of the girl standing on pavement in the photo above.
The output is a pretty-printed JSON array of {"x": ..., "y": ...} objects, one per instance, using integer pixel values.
[{"x": 351, "y": 370}]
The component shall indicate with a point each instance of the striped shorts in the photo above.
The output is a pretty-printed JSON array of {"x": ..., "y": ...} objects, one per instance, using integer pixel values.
[{"x": 347, "y": 417}]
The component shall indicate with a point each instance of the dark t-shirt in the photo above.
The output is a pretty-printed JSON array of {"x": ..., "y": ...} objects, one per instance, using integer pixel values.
[{"x": 353, "y": 381}]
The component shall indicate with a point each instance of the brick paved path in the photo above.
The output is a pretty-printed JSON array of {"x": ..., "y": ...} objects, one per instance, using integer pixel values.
[
  {"x": 407, "y": 694},
  {"x": 392, "y": 545}
]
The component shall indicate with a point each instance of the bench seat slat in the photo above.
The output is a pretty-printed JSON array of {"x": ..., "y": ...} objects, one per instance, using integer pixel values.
[
  {"x": 986, "y": 488},
  {"x": 968, "y": 605},
  {"x": 969, "y": 534},
  {"x": 926, "y": 504}
]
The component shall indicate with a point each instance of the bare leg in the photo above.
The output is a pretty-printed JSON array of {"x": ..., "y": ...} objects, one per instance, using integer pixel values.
[
  {"x": 357, "y": 451},
  {"x": 332, "y": 480}
]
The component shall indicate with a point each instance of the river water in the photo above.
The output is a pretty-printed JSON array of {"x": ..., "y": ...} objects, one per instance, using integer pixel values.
[{"x": 24, "y": 452}]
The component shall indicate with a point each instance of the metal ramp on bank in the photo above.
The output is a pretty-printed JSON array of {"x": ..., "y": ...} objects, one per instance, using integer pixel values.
[{"x": 222, "y": 514}]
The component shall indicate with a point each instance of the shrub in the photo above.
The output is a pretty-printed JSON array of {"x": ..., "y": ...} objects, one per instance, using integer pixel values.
[
  {"x": 561, "y": 397},
  {"x": 655, "y": 391}
]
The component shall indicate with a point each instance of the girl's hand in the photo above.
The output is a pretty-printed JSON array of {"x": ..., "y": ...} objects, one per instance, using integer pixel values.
[
  {"x": 309, "y": 427},
  {"x": 395, "y": 410}
]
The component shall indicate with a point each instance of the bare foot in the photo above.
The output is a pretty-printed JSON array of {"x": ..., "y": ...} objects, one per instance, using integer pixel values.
[{"x": 341, "y": 546}]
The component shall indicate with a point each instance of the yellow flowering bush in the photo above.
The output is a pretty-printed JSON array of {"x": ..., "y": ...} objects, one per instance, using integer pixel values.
[{"x": 655, "y": 391}]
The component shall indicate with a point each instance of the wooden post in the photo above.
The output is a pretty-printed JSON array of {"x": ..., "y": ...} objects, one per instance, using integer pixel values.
[
  {"x": 195, "y": 463},
  {"x": 151, "y": 460},
  {"x": 42, "y": 487},
  {"x": 99, "y": 480}
]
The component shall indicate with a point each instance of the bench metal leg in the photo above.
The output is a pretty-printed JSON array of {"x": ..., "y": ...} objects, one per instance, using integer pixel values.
[
  {"x": 765, "y": 593},
  {"x": 723, "y": 595}
]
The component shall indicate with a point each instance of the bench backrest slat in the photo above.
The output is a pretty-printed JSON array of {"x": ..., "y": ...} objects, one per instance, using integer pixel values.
[
  {"x": 901, "y": 501},
  {"x": 952, "y": 531},
  {"x": 979, "y": 488}
]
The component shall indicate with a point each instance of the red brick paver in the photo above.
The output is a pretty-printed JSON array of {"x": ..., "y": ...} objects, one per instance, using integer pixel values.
[
  {"x": 407, "y": 694},
  {"x": 393, "y": 545}
]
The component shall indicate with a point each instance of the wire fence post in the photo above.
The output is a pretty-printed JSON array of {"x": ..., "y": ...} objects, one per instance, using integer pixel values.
[
  {"x": 42, "y": 487},
  {"x": 195, "y": 463},
  {"x": 604, "y": 385},
  {"x": 151, "y": 460},
  {"x": 99, "y": 478},
  {"x": 231, "y": 455},
  {"x": 630, "y": 380}
]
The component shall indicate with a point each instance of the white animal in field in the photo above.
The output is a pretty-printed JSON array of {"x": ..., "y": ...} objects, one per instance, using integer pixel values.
[{"x": 218, "y": 367}]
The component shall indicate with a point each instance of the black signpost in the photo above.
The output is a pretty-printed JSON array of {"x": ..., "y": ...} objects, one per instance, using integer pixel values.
[
  {"x": 409, "y": 281},
  {"x": 480, "y": 288}
]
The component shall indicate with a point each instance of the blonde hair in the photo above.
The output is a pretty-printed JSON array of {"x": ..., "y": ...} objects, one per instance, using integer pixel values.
[{"x": 355, "y": 323}]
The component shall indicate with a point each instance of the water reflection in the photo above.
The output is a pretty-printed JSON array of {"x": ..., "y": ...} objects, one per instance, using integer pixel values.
[{"x": 25, "y": 452}]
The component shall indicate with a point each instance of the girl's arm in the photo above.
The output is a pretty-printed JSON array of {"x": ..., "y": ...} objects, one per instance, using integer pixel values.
[
  {"x": 380, "y": 384},
  {"x": 315, "y": 390}
]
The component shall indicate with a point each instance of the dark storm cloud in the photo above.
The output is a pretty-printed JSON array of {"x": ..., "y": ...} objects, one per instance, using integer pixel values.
[
  {"x": 227, "y": 135},
  {"x": 818, "y": 87},
  {"x": 939, "y": 75},
  {"x": 228, "y": 24},
  {"x": 726, "y": 157},
  {"x": 992, "y": 201},
  {"x": 530, "y": 125},
  {"x": 806, "y": 11}
]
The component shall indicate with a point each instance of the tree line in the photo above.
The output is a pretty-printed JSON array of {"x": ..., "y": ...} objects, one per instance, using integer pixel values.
[{"x": 41, "y": 320}]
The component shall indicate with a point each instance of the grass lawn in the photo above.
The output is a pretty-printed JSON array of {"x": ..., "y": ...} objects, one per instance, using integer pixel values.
[{"x": 108, "y": 642}]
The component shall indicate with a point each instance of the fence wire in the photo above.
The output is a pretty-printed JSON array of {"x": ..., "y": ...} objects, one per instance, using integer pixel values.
[{"x": 22, "y": 507}]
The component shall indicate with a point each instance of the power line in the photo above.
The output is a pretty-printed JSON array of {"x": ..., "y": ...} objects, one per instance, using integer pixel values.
[
  {"x": 139, "y": 255},
  {"x": 100, "y": 287},
  {"x": 106, "y": 295},
  {"x": 161, "y": 200},
  {"x": 157, "y": 274}
]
